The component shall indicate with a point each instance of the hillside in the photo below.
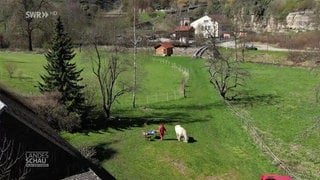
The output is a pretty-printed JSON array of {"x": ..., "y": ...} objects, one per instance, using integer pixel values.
[
  {"x": 85, "y": 19},
  {"x": 249, "y": 15}
]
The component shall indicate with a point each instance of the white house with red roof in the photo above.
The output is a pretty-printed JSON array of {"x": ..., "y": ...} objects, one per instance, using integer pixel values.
[{"x": 206, "y": 27}]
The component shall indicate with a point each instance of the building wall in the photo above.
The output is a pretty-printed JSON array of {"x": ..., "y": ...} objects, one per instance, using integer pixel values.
[
  {"x": 162, "y": 51},
  {"x": 205, "y": 26}
]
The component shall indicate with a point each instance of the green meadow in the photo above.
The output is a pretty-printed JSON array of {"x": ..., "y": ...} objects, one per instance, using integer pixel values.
[{"x": 279, "y": 101}]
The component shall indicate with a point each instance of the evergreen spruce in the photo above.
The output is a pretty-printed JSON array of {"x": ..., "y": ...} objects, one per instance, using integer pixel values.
[{"x": 62, "y": 75}]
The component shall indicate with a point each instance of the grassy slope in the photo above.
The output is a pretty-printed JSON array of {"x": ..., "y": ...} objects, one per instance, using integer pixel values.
[
  {"x": 221, "y": 150},
  {"x": 284, "y": 110}
]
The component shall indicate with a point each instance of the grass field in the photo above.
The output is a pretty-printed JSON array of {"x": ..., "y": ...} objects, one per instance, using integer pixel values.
[
  {"x": 279, "y": 101},
  {"x": 222, "y": 149},
  {"x": 282, "y": 104},
  {"x": 28, "y": 68}
]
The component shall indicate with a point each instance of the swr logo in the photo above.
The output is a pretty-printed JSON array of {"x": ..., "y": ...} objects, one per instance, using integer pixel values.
[{"x": 36, "y": 14}]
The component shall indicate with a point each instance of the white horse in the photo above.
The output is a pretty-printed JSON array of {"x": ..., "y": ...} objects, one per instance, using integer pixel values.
[{"x": 181, "y": 133}]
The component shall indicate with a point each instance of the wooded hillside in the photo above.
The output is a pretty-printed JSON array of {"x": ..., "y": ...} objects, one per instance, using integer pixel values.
[{"x": 105, "y": 19}]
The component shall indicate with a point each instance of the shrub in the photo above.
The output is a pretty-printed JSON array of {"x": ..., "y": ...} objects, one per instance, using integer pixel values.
[
  {"x": 54, "y": 113},
  {"x": 297, "y": 57},
  {"x": 61, "y": 120},
  {"x": 10, "y": 68},
  {"x": 306, "y": 40},
  {"x": 301, "y": 57},
  {"x": 88, "y": 152}
]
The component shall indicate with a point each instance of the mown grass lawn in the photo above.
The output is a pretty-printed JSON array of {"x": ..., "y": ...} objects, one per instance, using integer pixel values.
[
  {"x": 28, "y": 67},
  {"x": 280, "y": 101},
  {"x": 221, "y": 148}
]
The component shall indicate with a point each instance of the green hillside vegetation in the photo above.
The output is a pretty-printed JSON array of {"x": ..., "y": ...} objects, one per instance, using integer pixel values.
[{"x": 279, "y": 101}]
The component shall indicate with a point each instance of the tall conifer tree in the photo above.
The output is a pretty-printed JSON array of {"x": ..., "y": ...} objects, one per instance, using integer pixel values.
[{"x": 62, "y": 75}]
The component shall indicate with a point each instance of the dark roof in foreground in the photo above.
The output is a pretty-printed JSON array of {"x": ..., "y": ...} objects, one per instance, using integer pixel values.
[{"x": 14, "y": 105}]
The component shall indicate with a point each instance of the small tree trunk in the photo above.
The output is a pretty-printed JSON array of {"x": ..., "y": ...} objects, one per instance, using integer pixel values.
[
  {"x": 223, "y": 94},
  {"x": 29, "y": 34},
  {"x": 30, "y": 40},
  {"x": 107, "y": 111}
]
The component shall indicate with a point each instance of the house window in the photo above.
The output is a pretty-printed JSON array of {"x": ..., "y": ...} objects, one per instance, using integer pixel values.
[{"x": 206, "y": 21}]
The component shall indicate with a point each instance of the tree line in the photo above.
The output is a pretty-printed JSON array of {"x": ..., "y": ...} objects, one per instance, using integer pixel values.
[
  {"x": 18, "y": 30},
  {"x": 21, "y": 27}
]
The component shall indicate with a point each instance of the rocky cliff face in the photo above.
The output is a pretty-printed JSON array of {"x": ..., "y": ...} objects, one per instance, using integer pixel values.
[
  {"x": 297, "y": 21},
  {"x": 302, "y": 20}
]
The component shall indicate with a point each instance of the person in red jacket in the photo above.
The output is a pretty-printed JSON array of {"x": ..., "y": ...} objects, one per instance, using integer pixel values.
[{"x": 161, "y": 130}]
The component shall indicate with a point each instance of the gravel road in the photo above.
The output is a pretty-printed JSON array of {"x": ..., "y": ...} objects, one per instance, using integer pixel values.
[{"x": 260, "y": 46}]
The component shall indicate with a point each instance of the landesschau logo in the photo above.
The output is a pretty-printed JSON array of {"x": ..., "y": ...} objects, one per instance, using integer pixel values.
[
  {"x": 39, "y": 14},
  {"x": 37, "y": 159}
]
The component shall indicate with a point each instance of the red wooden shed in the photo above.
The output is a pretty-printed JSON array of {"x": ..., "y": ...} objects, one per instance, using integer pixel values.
[{"x": 164, "y": 49}]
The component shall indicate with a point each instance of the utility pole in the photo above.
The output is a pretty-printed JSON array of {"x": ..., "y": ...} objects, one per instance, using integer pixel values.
[{"x": 134, "y": 57}]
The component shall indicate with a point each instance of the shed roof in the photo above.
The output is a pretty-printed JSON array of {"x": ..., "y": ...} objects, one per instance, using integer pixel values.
[
  {"x": 183, "y": 28},
  {"x": 165, "y": 45}
]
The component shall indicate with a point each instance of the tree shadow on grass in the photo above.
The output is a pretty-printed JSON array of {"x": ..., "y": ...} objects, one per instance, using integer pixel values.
[
  {"x": 121, "y": 123},
  {"x": 127, "y": 123},
  {"x": 13, "y": 61},
  {"x": 252, "y": 100},
  {"x": 168, "y": 113},
  {"x": 187, "y": 107},
  {"x": 104, "y": 152}
]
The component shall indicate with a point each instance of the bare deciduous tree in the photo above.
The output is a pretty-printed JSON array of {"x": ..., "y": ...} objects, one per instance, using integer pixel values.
[
  {"x": 225, "y": 75},
  {"x": 225, "y": 72},
  {"x": 5, "y": 13},
  {"x": 75, "y": 20},
  {"x": 10, "y": 155},
  {"x": 25, "y": 21},
  {"x": 108, "y": 71},
  {"x": 11, "y": 68},
  {"x": 135, "y": 43}
]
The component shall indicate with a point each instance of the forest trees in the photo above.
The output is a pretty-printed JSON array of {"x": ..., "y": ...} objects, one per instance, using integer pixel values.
[
  {"x": 25, "y": 22},
  {"x": 5, "y": 14},
  {"x": 62, "y": 75}
]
